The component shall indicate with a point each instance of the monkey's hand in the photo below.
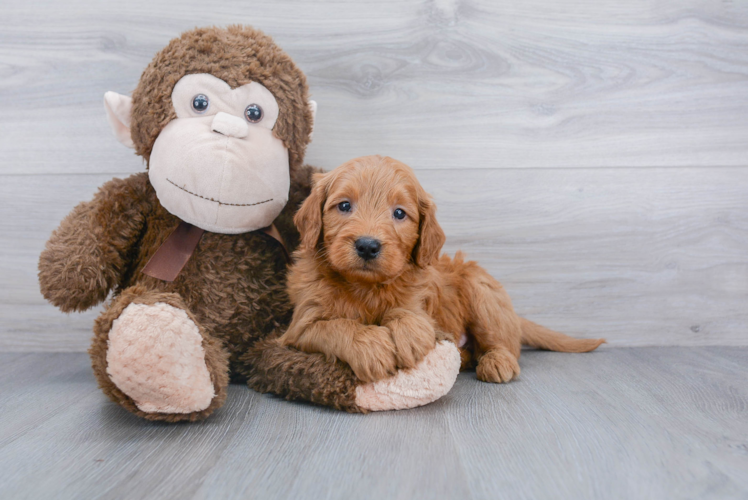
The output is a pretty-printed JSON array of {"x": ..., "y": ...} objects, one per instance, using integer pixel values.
[{"x": 85, "y": 255}]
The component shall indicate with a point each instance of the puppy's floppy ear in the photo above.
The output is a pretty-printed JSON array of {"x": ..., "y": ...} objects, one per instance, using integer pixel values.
[
  {"x": 431, "y": 237},
  {"x": 308, "y": 219}
]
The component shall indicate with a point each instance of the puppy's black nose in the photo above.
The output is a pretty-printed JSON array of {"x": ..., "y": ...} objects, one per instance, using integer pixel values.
[{"x": 368, "y": 248}]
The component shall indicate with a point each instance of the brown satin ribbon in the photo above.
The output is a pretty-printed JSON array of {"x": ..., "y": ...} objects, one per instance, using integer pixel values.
[
  {"x": 173, "y": 254},
  {"x": 273, "y": 232}
]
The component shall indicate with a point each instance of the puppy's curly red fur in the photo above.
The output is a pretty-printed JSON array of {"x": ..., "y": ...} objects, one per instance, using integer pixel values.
[{"x": 380, "y": 312}]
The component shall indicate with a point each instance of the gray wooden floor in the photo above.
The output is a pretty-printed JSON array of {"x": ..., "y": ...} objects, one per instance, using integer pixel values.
[{"x": 628, "y": 423}]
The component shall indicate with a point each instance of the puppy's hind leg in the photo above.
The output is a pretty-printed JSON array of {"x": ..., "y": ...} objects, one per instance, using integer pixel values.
[{"x": 494, "y": 326}]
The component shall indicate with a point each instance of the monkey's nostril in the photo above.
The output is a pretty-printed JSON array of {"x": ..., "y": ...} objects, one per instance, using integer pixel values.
[{"x": 368, "y": 248}]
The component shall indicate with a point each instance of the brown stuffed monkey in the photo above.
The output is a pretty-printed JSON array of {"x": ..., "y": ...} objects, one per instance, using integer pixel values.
[{"x": 195, "y": 249}]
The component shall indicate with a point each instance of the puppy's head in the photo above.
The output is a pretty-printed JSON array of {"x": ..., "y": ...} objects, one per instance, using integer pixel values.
[{"x": 371, "y": 219}]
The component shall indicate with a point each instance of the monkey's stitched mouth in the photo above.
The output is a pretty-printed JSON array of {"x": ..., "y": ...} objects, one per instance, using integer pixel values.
[{"x": 218, "y": 201}]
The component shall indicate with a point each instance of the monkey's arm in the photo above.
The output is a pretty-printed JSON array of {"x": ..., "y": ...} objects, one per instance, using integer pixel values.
[
  {"x": 297, "y": 375},
  {"x": 87, "y": 254}
]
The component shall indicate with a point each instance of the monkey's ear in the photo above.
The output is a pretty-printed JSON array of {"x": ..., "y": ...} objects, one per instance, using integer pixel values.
[
  {"x": 119, "y": 114},
  {"x": 313, "y": 107},
  {"x": 308, "y": 219},
  {"x": 431, "y": 237}
]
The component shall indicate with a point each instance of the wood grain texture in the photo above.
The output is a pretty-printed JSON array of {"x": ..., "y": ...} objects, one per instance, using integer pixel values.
[
  {"x": 443, "y": 84},
  {"x": 639, "y": 256},
  {"x": 591, "y": 155},
  {"x": 645, "y": 423}
]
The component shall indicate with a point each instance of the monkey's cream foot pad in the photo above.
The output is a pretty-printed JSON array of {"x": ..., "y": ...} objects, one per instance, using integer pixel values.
[
  {"x": 431, "y": 379},
  {"x": 156, "y": 357}
]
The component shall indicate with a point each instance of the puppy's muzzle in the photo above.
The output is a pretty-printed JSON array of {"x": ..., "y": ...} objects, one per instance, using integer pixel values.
[{"x": 368, "y": 248}]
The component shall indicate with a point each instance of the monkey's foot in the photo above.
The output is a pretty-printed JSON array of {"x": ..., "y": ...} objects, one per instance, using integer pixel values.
[
  {"x": 156, "y": 357},
  {"x": 431, "y": 379}
]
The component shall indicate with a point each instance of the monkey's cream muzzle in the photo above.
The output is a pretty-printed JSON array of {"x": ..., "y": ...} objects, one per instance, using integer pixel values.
[{"x": 216, "y": 180}]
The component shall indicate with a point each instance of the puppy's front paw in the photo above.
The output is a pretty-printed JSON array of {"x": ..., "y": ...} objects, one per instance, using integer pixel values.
[
  {"x": 497, "y": 365},
  {"x": 373, "y": 355},
  {"x": 413, "y": 344}
]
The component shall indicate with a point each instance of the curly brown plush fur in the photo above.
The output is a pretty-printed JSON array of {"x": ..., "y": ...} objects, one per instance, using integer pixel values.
[
  {"x": 233, "y": 286},
  {"x": 300, "y": 376}
]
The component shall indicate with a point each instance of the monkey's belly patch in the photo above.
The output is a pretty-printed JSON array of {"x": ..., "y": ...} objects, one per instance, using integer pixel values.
[
  {"x": 156, "y": 357},
  {"x": 219, "y": 201}
]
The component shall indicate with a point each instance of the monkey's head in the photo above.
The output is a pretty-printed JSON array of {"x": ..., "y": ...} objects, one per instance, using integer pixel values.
[{"x": 220, "y": 116}]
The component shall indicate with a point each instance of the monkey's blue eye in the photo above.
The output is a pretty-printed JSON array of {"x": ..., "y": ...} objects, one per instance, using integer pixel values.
[
  {"x": 253, "y": 113},
  {"x": 200, "y": 103},
  {"x": 344, "y": 206},
  {"x": 399, "y": 213}
]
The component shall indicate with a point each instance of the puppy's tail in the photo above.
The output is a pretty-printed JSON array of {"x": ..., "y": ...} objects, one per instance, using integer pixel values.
[{"x": 541, "y": 337}]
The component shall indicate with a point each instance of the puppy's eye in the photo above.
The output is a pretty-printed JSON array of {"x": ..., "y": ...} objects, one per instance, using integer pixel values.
[
  {"x": 399, "y": 213},
  {"x": 253, "y": 113},
  {"x": 200, "y": 103},
  {"x": 344, "y": 206}
]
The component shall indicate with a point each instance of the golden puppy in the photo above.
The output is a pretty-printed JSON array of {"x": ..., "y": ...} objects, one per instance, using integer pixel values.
[{"x": 369, "y": 287}]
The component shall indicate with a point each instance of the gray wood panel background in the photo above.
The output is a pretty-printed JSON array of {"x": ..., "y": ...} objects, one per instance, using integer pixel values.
[{"x": 593, "y": 156}]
